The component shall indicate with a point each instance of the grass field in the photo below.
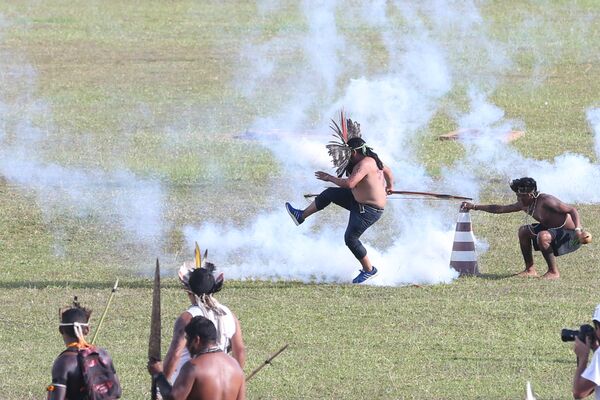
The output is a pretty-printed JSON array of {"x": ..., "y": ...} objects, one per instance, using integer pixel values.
[{"x": 102, "y": 101}]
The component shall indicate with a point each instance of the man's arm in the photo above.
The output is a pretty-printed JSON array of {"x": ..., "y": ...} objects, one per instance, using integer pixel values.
[
  {"x": 492, "y": 208},
  {"x": 238, "y": 349},
  {"x": 184, "y": 383},
  {"x": 358, "y": 173},
  {"x": 242, "y": 393},
  {"x": 389, "y": 179},
  {"x": 177, "y": 344},
  {"x": 182, "y": 386},
  {"x": 60, "y": 370},
  {"x": 582, "y": 387},
  {"x": 558, "y": 206}
]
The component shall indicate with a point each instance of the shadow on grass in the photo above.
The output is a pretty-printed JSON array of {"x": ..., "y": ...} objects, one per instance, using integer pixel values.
[
  {"x": 166, "y": 283},
  {"x": 48, "y": 284}
]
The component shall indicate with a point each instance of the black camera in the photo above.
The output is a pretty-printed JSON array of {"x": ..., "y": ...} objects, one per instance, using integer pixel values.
[{"x": 585, "y": 331}]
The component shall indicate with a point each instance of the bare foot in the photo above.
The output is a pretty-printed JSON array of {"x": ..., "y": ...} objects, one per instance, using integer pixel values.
[
  {"x": 528, "y": 272},
  {"x": 551, "y": 275}
]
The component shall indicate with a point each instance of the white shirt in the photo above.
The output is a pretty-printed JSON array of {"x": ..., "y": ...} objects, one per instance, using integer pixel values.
[
  {"x": 592, "y": 372},
  {"x": 225, "y": 325}
]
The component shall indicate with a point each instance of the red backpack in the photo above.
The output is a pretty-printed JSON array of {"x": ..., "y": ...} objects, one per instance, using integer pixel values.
[{"x": 99, "y": 377}]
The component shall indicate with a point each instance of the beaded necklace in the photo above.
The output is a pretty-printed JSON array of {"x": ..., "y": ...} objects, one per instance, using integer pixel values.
[{"x": 214, "y": 349}]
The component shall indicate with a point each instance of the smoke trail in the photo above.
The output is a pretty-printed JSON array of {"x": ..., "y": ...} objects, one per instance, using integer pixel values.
[
  {"x": 567, "y": 177},
  {"x": 429, "y": 47},
  {"x": 392, "y": 107},
  {"x": 593, "y": 117},
  {"x": 117, "y": 198}
]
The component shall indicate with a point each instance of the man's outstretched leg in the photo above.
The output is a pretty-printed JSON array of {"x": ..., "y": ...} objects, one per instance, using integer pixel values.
[
  {"x": 339, "y": 196},
  {"x": 525, "y": 238},
  {"x": 297, "y": 215}
]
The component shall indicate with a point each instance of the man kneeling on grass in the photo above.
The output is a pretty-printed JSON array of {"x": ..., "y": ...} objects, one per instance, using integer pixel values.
[
  {"x": 210, "y": 373},
  {"x": 557, "y": 232}
]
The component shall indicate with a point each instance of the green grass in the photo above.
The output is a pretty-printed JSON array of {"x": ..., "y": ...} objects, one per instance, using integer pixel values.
[{"x": 147, "y": 86}]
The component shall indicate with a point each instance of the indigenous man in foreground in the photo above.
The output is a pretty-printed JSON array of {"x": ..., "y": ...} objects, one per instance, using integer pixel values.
[
  {"x": 83, "y": 370},
  {"x": 557, "y": 232},
  {"x": 210, "y": 374},
  {"x": 200, "y": 285},
  {"x": 363, "y": 193}
]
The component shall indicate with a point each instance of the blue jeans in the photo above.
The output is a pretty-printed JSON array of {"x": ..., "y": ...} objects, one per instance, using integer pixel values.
[{"x": 362, "y": 216}]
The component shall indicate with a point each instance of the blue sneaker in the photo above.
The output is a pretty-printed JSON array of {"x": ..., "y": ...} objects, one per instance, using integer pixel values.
[
  {"x": 294, "y": 213},
  {"x": 364, "y": 276}
]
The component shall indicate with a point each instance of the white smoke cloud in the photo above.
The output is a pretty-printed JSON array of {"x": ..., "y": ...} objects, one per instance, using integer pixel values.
[
  {"x": 567, "y": 177},
  {"x": 392, "y": 108},
  {"x": 116, "y": 197},
  {"x": 436, "y": 44},
  {"x": 593, "y": 117}
]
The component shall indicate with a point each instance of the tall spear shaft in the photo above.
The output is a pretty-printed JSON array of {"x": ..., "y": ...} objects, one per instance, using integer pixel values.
[
  {"x": 267, "y": 361},
  {"x": 112, "y": 293},
  {"x": 154, "y": 341},
  {"x": 429, "y": 194}
]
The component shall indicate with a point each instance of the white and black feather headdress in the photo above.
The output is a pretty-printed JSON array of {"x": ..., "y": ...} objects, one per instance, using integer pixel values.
[{"x": 339, "y": 149}]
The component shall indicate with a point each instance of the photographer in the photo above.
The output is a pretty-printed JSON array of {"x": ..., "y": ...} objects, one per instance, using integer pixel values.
[{"x": 587, "y": 377}]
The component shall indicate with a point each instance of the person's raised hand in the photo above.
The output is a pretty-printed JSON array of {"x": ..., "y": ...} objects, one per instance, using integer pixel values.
[
  {"x": 155, "y": 367},
  {"x": 465, "y": 205},
  {"x": 323, "y": 176}
]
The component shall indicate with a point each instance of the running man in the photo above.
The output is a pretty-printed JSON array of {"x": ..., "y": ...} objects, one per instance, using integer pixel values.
[{"x": 363, "y": 193}]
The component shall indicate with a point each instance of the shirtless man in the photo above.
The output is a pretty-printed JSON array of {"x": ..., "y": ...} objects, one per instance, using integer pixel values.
[
  {"x": 210, "y": 374},
  {"x": 200, "y": 287},
  {"x": 67, "y": 377},
  {"x": 557, "y": 232},
  {"x": 363, "y": 193}
]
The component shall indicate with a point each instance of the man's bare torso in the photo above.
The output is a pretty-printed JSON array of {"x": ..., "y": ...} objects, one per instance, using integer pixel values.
[
  {"x": 371, "y": 189},
  {"x": 218, "y": 376},
  {"x": 543, "y": 210}
]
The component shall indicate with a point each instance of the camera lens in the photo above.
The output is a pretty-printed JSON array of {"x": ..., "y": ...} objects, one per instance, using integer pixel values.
[{"x": 568, "y": 335}]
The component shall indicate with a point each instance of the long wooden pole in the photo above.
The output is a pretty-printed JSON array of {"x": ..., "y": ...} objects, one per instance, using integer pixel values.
[
  {"x": 267, "y": 361},
  {"x": 112, "y": 293},
  {"x": 154, "y": 341},
  {"x": 438, "y": 195},
  {"x": 406, "y": 192}
]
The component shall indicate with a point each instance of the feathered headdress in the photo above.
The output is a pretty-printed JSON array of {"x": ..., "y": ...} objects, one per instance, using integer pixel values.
[
  {"x": 339, "y": 149},
  {"x": 199, "y": 262}
]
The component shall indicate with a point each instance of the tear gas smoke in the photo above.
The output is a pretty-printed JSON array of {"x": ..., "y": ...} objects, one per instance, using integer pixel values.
[
  {"x": 437, "y": 44},
  {"x": 117, "y": 198}
]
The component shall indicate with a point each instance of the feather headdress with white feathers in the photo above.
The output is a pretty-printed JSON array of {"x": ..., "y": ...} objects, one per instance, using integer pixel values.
[{"x": 339, "y": 149}]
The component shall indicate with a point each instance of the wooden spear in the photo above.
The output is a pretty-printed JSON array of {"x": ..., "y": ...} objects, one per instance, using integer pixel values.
[
  {"x": 429, "y": 194},
  {"x": 112, "y": 293},
  {"x": 154, "y": 341},
  {"x": 267, "y": 361}
]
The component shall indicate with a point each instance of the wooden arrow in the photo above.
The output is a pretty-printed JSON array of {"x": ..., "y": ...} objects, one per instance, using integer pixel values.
[
  {"x": 267, "y": 361},
  {"x": 112, "y": 293}
]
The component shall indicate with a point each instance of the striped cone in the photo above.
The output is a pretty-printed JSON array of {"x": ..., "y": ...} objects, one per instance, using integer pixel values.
[{"x": 464, "y": 258}]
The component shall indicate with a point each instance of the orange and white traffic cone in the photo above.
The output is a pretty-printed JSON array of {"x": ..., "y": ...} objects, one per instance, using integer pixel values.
[{"x": 464, "y": 258}]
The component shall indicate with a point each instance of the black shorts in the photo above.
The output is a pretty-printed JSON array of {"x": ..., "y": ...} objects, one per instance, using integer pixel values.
[{"x": 564, "y": 241}]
